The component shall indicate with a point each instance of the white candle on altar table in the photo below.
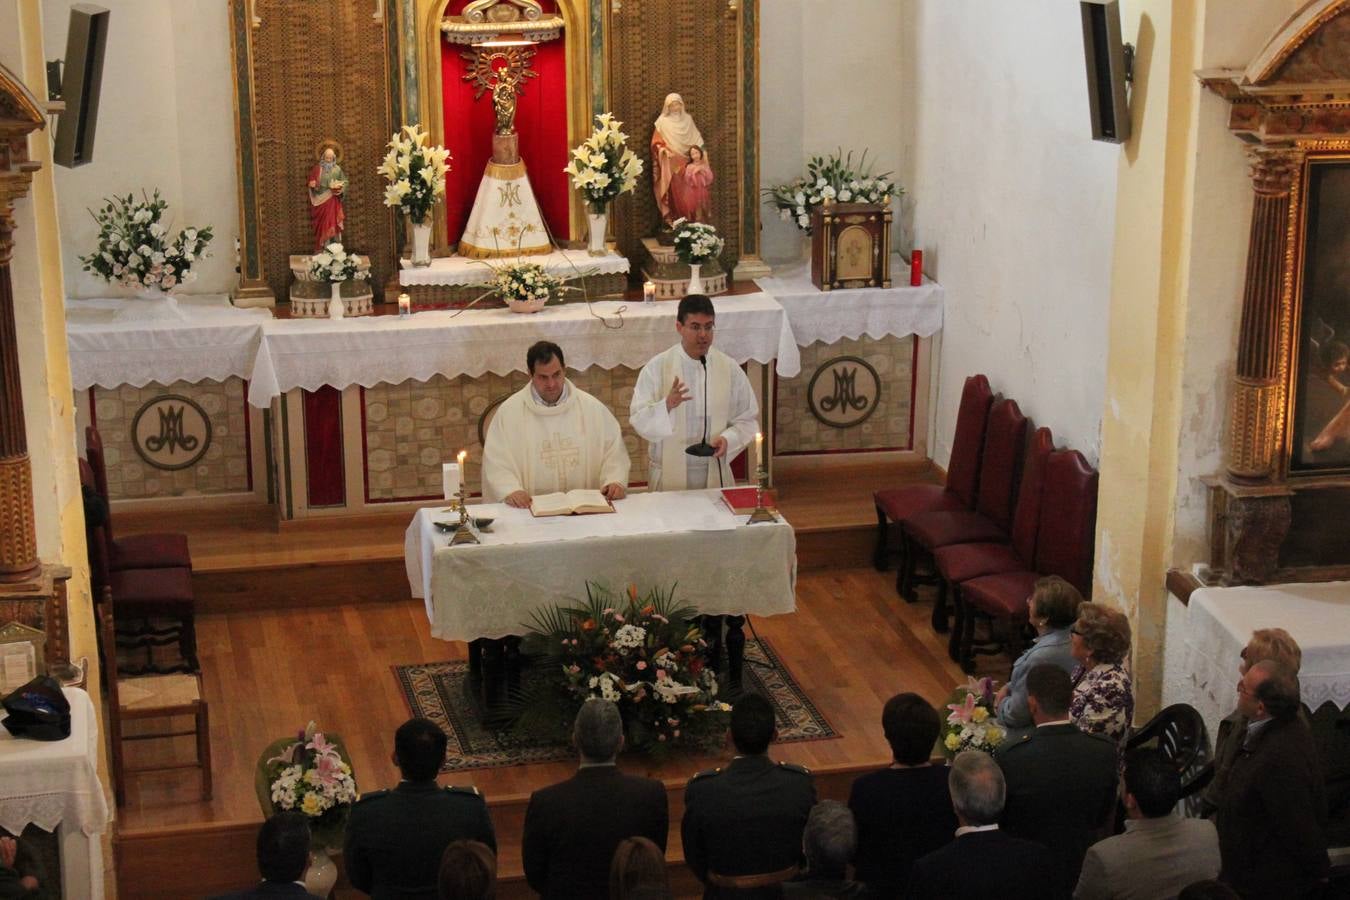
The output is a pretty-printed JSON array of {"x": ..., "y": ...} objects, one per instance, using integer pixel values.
[
  {"x": 648, "y": 292},
  {"x": 450, "y": 480},
  {"x": 404, "y": 306},
  {"x": 759, "y": 452}
]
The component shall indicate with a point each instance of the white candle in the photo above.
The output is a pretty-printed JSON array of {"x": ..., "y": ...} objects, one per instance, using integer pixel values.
[
  {"x": 759, "y": 450},
  {"x": 450, "y": 480},
  {"x": 648, "y": 292},
  {"x": 404, "y": 306}
]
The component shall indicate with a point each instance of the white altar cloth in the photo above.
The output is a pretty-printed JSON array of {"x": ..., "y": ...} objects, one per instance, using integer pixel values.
[
  {"x": 454, "y": 270},
  {"x": 213, "y": 340},
  {"x": 370, "y": 350},
  {"x": 55, "y": 783},
  {"x": 1220, "y": 621},
  {"x": 830, "y": 316},
  {"x": 722, "y": 566}
]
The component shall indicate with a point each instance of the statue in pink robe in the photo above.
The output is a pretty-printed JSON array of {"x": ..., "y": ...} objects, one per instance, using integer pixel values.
[{"x": 690, "y": 193}]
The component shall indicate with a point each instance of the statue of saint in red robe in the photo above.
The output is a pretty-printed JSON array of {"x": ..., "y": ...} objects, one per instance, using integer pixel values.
[
  {"x": 690, "y": 193},
  {"x": 327, "y": 181}
]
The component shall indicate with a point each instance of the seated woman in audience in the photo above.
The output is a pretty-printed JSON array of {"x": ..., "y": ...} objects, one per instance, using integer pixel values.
[
  {"x": 468, "y": 872},
  {"x": 638, "y": 871},
  {"x": 1052, "y": 609},
  {"x": 905, "y": 811},
  {"x": 1103, "y": 700}
]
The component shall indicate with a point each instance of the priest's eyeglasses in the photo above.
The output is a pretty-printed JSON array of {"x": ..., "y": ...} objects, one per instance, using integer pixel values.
[{"x": 697, "y": 328}]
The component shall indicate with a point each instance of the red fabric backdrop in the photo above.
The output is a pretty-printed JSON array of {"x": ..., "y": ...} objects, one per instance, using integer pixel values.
[{"x": 541, "y": 121}]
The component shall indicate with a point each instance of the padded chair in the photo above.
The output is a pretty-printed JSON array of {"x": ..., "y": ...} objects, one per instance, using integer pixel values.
[
  {"x": 1005, "y": 438},
  {"x": 897, "y": 505},
  {"x": 1064, "y": 546},
  {"x": 150, "y": 697},
  {"x": 958, "y": 563},
  {"x": 167, "y": 550}
]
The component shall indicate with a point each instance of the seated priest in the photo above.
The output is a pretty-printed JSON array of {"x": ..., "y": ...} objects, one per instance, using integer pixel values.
[{"x": 552, "y": 436}]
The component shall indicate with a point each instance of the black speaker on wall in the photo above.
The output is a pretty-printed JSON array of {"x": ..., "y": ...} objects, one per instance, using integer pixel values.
[
  {"x": 1109, "y": 62},
  {"x": 81, "y": 81}
]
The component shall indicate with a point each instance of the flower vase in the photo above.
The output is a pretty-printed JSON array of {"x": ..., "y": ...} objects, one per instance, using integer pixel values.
[
  {"x": 695, "y": 282},
  {"x": 421, "y": 253},
  {"x": 150, "y": 304},
  {"x": 335, "y": 308},
  {"x": 531, "y": 305},
  {"x": 596, "y": 244},
  {"x": 321, "y": 874},
  {"x": 807, "y": 246}
]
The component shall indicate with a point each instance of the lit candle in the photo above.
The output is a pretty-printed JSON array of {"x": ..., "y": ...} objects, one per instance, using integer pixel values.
[
  {"x": 462, "y": 455},
  {"x": 404, "y": 306},
  {"x": 916, "y": 268},
  {"x": 648, "y": 292},
  {"x": 759, "y": 450}
]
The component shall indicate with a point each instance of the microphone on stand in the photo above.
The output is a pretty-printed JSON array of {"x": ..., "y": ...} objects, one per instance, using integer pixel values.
[{"x": 703, "y": 448}]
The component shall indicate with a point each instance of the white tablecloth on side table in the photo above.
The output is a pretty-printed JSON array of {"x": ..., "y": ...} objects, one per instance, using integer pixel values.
[
  {"x": 111, "y": 346},
  {"x": 722, "y": 566},
  {"x": 311, "y": 353},
  {"x": 456, "y": 270},
  {"x": 1220, "y": 621},
  {"x": 829, "y": 316}
]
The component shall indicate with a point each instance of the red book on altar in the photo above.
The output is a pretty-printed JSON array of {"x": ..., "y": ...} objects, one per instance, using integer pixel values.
[{"x": 742, "y": 500}]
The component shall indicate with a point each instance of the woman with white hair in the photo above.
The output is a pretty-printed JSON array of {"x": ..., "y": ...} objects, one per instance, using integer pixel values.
[{"x": 674, "y": 134}]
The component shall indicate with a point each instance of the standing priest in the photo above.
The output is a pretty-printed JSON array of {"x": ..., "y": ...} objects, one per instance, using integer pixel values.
[
  {"x": 694, "y": 405},
  {"x": 552, "y": 436}
]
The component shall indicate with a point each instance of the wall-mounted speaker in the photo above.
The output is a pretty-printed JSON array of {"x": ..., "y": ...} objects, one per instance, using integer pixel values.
[
  {"x": 81, "y": 81},
  {"x": 1109, "y": 62}
]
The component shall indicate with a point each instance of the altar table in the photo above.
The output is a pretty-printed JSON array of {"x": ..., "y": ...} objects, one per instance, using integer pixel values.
[
  {"x": 458, "y": 270},
  {"x": 54, "y": 785},
  {"x": 720, "y": 565}
]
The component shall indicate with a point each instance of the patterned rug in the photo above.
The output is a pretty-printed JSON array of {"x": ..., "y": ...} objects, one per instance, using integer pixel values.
[{"x": 438, "y": 692}]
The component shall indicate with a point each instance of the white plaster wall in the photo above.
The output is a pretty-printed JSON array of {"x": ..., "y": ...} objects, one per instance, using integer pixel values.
[
  {"x": 1013, "y": 205},
  {"x": 830, "y": 78},
  {"x": 166, "y": 120}
]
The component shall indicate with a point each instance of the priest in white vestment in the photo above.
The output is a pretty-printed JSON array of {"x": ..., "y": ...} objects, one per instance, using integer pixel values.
[
  {"x": 552, "y": 436},
  {"x": 670, "y": 411}
]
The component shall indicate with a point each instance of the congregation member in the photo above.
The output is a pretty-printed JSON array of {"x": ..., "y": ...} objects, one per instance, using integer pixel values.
[
  {"x": 829, "y": 842},
  {"x": 468, "y": 872},
  {"x": 982, "y": 861},
  {"x": 638, "y": 871},
  {"x": 1160, "y": 852},
  {"x": 905, "y": 810},
  {"x": 1103, "y": 697},
  {"x": 1209, "y": 889},
  {"x": 743, "y": 822},
  {"x": 283, "y": 857},
  {"x": 395, "y": 838},
  {"x": 1273, "y": 808},
  {"x": 1052, "y": 610},
  {"x": 551, "y": 436},
  {"x": 573, "y": 828},
  {"x": 1061, "y": 781}
]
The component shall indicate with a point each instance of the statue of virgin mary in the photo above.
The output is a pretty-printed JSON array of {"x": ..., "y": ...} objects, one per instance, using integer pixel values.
[{"x": 673, "y": 137}]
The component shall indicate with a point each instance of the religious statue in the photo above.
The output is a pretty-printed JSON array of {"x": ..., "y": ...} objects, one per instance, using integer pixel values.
[
  {"x": 327, "y": 182},
  {"x": 675, "y": 143},
  {"x": 504, "y": 102}
]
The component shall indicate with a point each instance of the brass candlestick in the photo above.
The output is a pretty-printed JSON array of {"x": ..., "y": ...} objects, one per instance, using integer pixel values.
[
  {"x": 464, "y": 533},
  {"x": 761, "y": 513}
]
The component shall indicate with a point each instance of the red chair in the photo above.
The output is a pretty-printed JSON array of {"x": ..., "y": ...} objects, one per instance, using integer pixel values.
[
  {"x": 165, "y": 550},
  {"x": 899, "y": 504},
  {"x": 1005, "y": 438},
  {"x": 1064, "y": 546},
  {"x": 958, "y": 563}
]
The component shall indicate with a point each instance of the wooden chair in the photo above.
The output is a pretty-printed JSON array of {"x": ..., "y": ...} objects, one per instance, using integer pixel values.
[
  {"x": 149, "y": 697},
  {"x": 165, "y": 550}
]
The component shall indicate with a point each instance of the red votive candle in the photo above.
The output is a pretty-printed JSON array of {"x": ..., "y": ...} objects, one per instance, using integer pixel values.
[{"x": 916, "y": 268}]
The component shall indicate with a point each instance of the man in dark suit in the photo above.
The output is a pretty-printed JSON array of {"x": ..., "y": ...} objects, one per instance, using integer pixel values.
[
  {"x": 1061, "y": 781},
  {"x": 982, "y": 861},
  {"x": 743, "y": 823},
  {"x": 1273, "y": 806},
  {"x": 283, "y": 856},
  {"x": 395, "y": 838},
  {"x": 572, "y": 828}
]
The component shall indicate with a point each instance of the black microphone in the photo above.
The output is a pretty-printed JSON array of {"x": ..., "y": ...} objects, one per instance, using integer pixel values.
[{"x": 703, "y": 448}]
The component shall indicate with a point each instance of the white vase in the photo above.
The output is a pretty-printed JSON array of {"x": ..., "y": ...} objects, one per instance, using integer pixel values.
[
  {"x": 321, "y": 874},
  {"x": 596, "y": 244},
  {"x": 421, "y": 252},
  {"x": 149, "y": 304},
  {"x": 526, "y": 306},
  {"x": 335, "y": 308},
  {"x": 695, "y": 282}
]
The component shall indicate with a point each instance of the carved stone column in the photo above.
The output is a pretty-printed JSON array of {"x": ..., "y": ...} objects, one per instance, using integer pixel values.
[{"x": 1254, "y": 436}]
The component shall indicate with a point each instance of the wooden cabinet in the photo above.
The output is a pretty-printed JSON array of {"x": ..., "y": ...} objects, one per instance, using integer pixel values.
[{"x": 850, "y": 246}]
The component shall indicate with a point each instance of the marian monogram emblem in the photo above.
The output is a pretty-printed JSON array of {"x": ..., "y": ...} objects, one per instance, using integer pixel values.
[
  {"x": 171, "y": 432},
  {"x": 509, "y": 194},
  {"x": 843, "y": 392}
]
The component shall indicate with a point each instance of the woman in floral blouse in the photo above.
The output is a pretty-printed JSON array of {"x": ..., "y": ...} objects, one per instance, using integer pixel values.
[{"x": 1103, "y": 701}]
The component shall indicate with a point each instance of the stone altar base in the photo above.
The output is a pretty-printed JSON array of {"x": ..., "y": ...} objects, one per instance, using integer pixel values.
[{"x": 671, "y": 276}]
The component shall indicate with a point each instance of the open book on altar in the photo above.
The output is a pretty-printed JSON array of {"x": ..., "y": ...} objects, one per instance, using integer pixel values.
[{"x": 573, "y": 503}]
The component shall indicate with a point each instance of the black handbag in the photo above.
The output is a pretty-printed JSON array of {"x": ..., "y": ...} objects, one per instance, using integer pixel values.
[{"x": 38, "y": 710}]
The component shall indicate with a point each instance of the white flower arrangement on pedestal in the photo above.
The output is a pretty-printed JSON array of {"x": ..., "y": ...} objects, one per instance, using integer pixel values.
[
  {"x": 828, "y": 180},
  {"x": 524, "y": 282},
  {"x": 603, "y": 167},
  {"x": 696, "y": 242},
  {"x": 333, "y": 264},
  {"x": 415, "y": 170},
  {"x": 134, "y": 248}
]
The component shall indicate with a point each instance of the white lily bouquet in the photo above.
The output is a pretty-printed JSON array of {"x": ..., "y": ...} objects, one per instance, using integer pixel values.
[
  {"x": 134, "y": 248},
  {"x": 603, "y": 167},
  {"x": 334, "y": 264},
  {"x": 525, "y": 282},
  {"x": 415, "y": 170},
  {"x": 830, "y": 179},
  {"x": 696, "y": 242}
]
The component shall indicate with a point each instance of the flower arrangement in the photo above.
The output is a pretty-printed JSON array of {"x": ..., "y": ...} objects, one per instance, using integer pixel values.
[
  {"x": 696, "y": 242},
  {"x": 644, "y": 652},
  {"x": 334, "y": 264},
  {"x": 525, "y": 282},
  {"x": 603, "y": 167},
  {"x": 310, "y": 773},
  {"x": 830, "y": 179},
  {"x": 415, "y": 170},
  {"x": 971, "y": 724},
  {"x": 134, "y": 247}
]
